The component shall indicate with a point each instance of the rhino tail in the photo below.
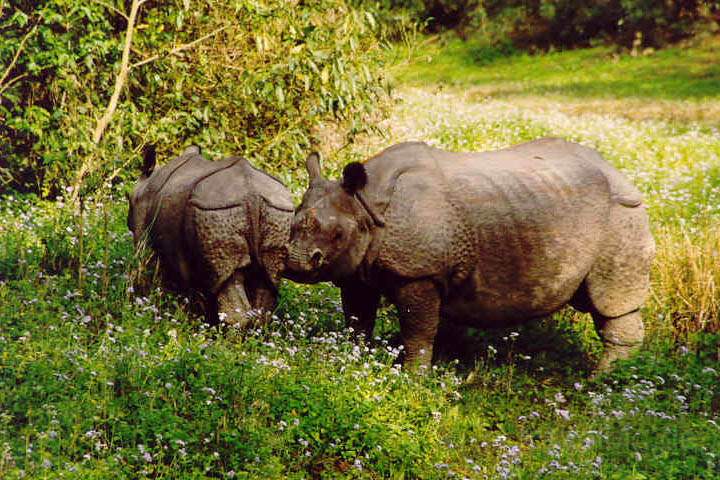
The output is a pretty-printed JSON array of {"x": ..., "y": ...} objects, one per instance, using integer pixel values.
[{"x": 630, "y": 201}]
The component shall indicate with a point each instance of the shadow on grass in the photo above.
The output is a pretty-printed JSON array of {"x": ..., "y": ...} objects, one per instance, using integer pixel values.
[{"x": 543, "y": 349}]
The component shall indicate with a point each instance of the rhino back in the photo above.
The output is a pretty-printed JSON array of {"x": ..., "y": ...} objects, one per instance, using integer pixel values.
[
  {"x": 170, "y": 189},
  {"x": 235, "y": 215},
  {"x": 519, "y": 227},
  {"x": 272, "y": 190}
]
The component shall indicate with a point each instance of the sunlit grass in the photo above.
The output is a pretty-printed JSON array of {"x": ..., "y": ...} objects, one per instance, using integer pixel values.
[{"x": 678, "y": 73}]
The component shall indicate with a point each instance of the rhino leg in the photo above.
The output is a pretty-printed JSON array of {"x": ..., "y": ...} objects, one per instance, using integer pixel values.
[
  {"x": 263, "y": 299},
  {"x": 360, "y": 305},
  {"x": 619, "y": 283},
  {"x": 621, "y": 336},
  {"x": 418, "y": 306},
  {"x": 264, "y": 288},
  {"x": 232, "y": 301}
]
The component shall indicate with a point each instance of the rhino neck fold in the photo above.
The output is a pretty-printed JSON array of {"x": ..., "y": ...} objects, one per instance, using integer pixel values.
[{"x": 377, "y": 219}]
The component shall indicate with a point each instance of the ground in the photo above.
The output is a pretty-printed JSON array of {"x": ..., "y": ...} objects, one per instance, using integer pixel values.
[{"x": 104, "y": 376}]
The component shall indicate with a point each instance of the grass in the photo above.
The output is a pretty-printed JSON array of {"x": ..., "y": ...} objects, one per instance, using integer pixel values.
[
  {"x": 102, "y": 375},
  {"x": 673, "y": 73},
  {"x": 681, "y": 83}
]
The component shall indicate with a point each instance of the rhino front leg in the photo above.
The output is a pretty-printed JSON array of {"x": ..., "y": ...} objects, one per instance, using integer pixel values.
[
  {"x": 232, "y": 301},
  {"x": 621, "y": 336},
  {"x": 418, "y": 306},
  {"x": 264, "y": 288},
  {"x": 360, "y": 305}
]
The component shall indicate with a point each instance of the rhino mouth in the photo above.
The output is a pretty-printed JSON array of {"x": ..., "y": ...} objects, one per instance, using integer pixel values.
[{"x": 299, "y": 268}]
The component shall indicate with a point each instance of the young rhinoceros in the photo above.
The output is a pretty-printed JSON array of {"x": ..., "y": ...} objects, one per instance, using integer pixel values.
[
  {"x": 484, "y": 239},
  {"x": 220, "y": 228}
]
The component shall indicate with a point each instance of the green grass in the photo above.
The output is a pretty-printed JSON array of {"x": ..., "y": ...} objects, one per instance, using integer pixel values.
[
  {"x": 103, "y": 375},
  {"x": 674, "y": 73}
]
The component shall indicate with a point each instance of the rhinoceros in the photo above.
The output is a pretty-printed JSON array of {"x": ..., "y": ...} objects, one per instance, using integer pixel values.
[
  {"x": 486, "y": 239},
  {"x": 218, "y": 227}
]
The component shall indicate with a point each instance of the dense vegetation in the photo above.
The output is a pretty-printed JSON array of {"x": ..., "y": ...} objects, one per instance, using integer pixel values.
[
  {"x": 565, "y": 23},
  {"x": 236, "y": 77},
  {"x": 103, "y": 375}
]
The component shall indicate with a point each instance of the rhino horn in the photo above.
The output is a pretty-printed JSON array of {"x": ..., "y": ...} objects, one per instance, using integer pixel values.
[{"x": 313, "y": 166}]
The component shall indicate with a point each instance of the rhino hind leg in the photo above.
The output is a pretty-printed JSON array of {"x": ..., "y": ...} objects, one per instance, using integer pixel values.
[
  {"x": 233, "y": 305},
  {"x": 619, "y": 283},
  {"x": 621, "y": 337},
  {"x": 262, "y": 294}
]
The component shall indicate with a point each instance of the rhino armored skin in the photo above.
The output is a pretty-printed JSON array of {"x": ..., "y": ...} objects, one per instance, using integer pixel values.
[
  {"x": 220, "y": 228},
  {"x": 484, "y": 239}
]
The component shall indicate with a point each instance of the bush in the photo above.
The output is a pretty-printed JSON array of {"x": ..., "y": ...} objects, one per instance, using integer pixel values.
[
  {"x": 564, "y": 23},
  {"x": 438, "y": 15},
  {"x": 632, "y": 23},
  {"x": 234, "y": 77}
]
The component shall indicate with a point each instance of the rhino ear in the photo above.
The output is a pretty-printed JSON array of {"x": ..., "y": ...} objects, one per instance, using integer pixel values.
[
  {"x": 313, "y": 166},
  {"x": 354, "y": 177},
  {"x": 148, "y": 160}
]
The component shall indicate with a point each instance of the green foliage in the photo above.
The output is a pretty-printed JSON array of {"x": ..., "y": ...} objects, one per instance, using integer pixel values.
[
  {"x": 254, "y": 78},
  {"x": 563, "y": 23},
  {"x": 98, "y": 381},
  {"x": 438, "y": 15},
  {"x": 676, "y": 73}
]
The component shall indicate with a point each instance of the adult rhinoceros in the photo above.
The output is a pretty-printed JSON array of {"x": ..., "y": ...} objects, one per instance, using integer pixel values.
[
  {"x": 484, "y": 239},
  {"x": 220, "y": 228}
]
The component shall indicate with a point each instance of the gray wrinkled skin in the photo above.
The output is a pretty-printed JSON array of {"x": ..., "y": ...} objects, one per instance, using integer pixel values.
[
  {"x": 220, "y": 228},
  {"x": 484, "y": 239}
]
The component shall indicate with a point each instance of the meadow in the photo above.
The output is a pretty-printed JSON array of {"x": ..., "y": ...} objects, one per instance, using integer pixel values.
[{"x": 104, "y": 375}]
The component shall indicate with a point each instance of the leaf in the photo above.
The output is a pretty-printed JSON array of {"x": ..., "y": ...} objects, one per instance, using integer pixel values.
[{"x": 370, "y": 19}]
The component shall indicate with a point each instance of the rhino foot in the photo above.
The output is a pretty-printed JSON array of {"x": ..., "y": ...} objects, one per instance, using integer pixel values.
[{"x": 621, "y": 336}]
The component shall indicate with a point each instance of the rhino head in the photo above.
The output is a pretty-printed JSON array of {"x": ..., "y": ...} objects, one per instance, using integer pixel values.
[
  {"x": 332, "y": 227},
  {"x": 140, "y": 200}
]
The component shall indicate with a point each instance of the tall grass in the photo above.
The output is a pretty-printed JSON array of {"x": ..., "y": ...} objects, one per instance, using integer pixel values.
[{"x": 686, "y": 279}]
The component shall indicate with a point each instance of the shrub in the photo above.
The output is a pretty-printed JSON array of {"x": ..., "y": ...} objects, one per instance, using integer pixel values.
[
  {"x": 235, "y": 77},
  {"x": 438, "y": 14}
]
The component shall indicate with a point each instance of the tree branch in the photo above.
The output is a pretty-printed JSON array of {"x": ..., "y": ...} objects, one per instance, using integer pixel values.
[
  {"x": 10, "y": 82},
  {"x": 122, "y": 74},
  {"x": 17, "y": 55},
  {"x": 110, "y": 7},
  {"x": 178, "y": 49}
]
